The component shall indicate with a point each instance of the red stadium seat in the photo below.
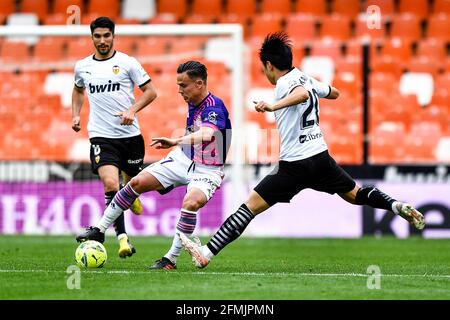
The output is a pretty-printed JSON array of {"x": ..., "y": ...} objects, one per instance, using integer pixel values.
[
  {"x": 443, "y": 83},
  {"x": 207, "y": 7},
  {"x": 406, "y": 26},
  {"x": 441, "y": 6},
  {"x": 326, "y": 48},
  {"x": 387, "y": 7},
  {"x": 423, "y": 64},
  {"x": 348, "y": 83},
  {"x": 314, "y": 7},
  {"x": 362, "y": 29},
  {"x": 346, "y": 150},
  {"x": 349, "y": 64},
  {"x": 241, "y": 8},
  {"x": 386, "y": 140},
  {"x": 355, "y": 48},
  {"x": 397, "y": 48},
  {"x": 176, "y": 7},
  {"x": 164, "y": 18},
  {"x": 55, "y": 19},
  {"x": 417, "y": 7},
  {"x": 433, "y": 114},
  {"x": 385, "y": 83},
  {"x": 125, "y": 44},
  {"x": 199, "y": 19},
  {"x": 151, "y": 46},
  {"x": 348, "y": 8},
  {"x": 38, "y": 7},
  {"x": 60, "y": 6},
  {"x": 301, "y": 27},
  {"x": 433, "y": 48},
  {"x": 188, "y": 44},
  {"x": 422, "y": 141},
  {"x": 79, "y": 48},
  {"x": 14, "y": 52},
  {"x": 235, "y": 18},
  {"x": 336, "y": 27},
  {"x": 49, "y": 49},
  {"x": 265, "y": 23},
  {"x": 387, "y": 64},
  {"x": 279, "y": 6},
  {"x": 438, "y": 26},
  {"x": 7, "y": 6},
  {"x": 418, "y": 151},
  {"x": 99, "y": 8}
]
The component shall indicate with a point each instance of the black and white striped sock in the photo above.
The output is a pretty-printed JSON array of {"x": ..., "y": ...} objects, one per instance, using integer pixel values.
[
  {"x": 375, "y": 198},
  {"x": 231, "y": 229}
]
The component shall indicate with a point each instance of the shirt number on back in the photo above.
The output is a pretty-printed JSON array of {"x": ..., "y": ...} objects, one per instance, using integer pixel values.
[{"x": 313, "y": 104}]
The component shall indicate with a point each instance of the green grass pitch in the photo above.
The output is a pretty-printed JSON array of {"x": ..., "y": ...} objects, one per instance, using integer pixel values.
[{"x": 34, "y": 267}]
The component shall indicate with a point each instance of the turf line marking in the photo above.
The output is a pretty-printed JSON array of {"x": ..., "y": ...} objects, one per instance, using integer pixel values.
[{"x": 254, "y": 274}]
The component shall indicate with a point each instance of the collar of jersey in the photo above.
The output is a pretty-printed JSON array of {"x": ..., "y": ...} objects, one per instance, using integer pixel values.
[
  {"x": 201, "y": 103},
  {"x": 93, "y": 57}
]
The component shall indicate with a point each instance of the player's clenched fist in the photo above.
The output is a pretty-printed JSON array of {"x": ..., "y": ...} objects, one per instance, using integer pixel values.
[{"x": 76, "y": 124}]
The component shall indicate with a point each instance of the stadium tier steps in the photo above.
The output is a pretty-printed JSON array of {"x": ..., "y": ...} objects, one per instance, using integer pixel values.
[{"x": 409, "y": 117}]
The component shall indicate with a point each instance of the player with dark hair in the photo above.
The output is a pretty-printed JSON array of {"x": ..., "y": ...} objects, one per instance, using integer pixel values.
[
  {"x": 117, "y": 145},
  {"x": 304, "y": 158},
  {"x": 197, "y": 162}
]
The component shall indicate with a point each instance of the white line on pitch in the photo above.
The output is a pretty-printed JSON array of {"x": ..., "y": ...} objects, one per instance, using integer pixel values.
[{"x": 251, "y": 274}]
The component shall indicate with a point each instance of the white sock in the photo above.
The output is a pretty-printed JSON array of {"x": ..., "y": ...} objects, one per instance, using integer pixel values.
[
  {"x": 112, "y": 212},
  {"x": 206, "y": 252},
  {"x": 175, "y": 250},
  {"x": 121, "y": 236},
  {"x": 395, "y": 206}
]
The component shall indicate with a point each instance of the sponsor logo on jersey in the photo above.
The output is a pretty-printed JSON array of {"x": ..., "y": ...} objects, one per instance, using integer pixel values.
[
  {"x": 108, "y": 87},
  {"x": 305, "y": 138},
  {"x": 134, "y": 161},
  {"x": 212, "y": 117},
  {"x": 116, "y": 69}
]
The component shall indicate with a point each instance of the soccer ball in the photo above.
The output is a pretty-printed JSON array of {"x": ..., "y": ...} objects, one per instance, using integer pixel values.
[{"x": 91, "y": 254}]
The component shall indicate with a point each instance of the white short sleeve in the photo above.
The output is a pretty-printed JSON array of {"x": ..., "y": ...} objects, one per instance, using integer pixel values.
[
  {"x": 78, "y": 78},
  {"x": 137, "y": 73},
  {"x": 322, "y": 89}
]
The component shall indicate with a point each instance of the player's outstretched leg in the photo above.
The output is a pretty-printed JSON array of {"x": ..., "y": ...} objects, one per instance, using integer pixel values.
[
  {"x": 199, "y": 256},
  {"x": 186, "y": 226},
  {"x": 411, "y": 214},
  {"x": 375, "y": 198},
  {"x": 91, "y": 233},
  {"x": 229, "y": 231}
]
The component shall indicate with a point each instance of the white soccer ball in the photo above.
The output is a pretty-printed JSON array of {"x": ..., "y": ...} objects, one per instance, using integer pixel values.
[{"x": 91, "y": 254}]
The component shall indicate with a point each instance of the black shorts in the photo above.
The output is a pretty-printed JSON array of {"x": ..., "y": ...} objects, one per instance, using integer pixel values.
[
  {"x": 319, "y": 172},
  {"x": 127, "y": 154}
]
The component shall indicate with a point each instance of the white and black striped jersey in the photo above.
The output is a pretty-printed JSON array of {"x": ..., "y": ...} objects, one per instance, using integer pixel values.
[
  {"x": 110, "y": 88},
  {"x": 298, "y": 125}
]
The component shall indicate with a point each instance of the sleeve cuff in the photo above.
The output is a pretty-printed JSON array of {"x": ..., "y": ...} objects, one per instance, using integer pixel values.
[
  {"x": 329, "y": 92},
  {"x": 141, "y": 85}
]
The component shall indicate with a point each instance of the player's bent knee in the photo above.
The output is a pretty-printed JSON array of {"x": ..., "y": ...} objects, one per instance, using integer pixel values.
[
  {"x": 144, "y": 182},
  {"x": 192, "y": 204},
  {"x": 137, "y": 184},
  {"x": 110, "y": 184}
]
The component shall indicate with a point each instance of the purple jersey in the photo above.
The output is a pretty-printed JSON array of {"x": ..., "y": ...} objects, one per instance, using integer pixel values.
[{"x": 211, "y": 112}]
